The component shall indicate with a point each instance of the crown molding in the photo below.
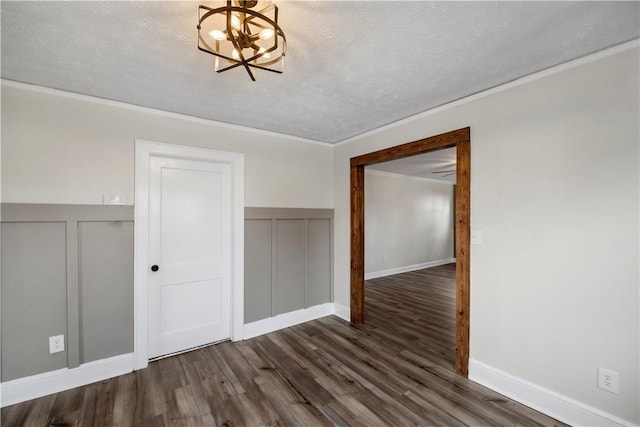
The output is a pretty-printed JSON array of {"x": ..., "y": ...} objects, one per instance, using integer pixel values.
[
  {"x": 556, "y": 69},
  {"x": 163, "y": 113}
]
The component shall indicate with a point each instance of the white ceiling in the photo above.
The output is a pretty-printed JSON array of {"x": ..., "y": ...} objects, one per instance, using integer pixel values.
[
  {"x": 425, "y": 166},
  {"x": 351, "y": 66}
]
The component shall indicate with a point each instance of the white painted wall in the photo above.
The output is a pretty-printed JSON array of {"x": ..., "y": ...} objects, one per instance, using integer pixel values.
[
  {"x": 58, "y": 148},
  {"x": 555, "y": 190},
  {"x": 408, "y": 221}
]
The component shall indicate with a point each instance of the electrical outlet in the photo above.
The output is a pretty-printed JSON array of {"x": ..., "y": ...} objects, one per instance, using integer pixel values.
[
  {"x": 608, "y": 380},
  {"x": 56, "y": 344}
]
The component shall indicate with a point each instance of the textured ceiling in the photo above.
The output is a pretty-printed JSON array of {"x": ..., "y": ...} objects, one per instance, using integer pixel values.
[{"x": 351, "y": 66}]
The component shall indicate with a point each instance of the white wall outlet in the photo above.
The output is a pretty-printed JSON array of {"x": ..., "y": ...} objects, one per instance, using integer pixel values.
[
  {"x": 608, "y": 380},
  {"x": 56, "y": 344}
]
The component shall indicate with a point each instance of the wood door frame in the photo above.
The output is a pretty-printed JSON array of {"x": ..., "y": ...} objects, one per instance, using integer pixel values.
[
  {"x": 461, "y": 140},
  {"x": 144, "y": 151}
]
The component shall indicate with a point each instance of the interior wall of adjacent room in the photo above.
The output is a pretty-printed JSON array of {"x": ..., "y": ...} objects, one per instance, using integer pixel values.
[
  {"x": 554, "y": 189},
  {"x": 408, "y": 221},
  {"x": 70, "y": 150}
]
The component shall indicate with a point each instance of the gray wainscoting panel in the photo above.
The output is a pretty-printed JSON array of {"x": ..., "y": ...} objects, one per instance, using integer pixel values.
[
  {"x": 106, "y": 289},
  {"x": 290, "y": 265},
  {"x": 67, "y": 269},
  {"x": 288, "y": 260},
  {"x": 319, "y": 287},
  {"x": 34, "y": 301},
  {"x": 257, "y": 275}
]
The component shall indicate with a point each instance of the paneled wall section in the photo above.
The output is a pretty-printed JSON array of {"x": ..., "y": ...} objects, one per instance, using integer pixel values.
[
  {"x": 66, "y": 269},
  {"x": 288, "y": 260}
]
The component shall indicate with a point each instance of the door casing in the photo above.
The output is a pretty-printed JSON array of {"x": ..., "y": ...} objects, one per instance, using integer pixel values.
[
  {"x": 461, "y": 140},
  {"x": 144, "y": 151}
]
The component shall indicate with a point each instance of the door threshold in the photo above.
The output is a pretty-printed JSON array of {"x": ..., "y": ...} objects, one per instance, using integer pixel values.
[{"x": 164, "y": 356}]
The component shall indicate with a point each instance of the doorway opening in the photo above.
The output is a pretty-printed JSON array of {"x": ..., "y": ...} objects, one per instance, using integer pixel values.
[{"x": 461, "y": 140}]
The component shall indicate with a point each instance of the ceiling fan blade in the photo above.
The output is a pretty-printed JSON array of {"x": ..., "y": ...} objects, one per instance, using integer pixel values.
[{"x": 452, "y": 170}]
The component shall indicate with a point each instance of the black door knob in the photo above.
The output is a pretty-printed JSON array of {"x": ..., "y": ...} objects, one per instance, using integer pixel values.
[{"x": 154, "y": 268}]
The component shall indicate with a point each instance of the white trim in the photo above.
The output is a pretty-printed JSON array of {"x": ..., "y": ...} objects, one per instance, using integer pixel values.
[
  {"x": 285, "y": 320},
  {"x": 121, "y": 104},
  {"x": 144, "y": 150},
  {"x": 407, "y": 268},
  {"x": 35, "y": 386},
  {"x": 342, "y": 311},
  {"x": 370, "y": 171},
  {"x": 541, "y": 399},
  {"x": 500, "y": 88}
]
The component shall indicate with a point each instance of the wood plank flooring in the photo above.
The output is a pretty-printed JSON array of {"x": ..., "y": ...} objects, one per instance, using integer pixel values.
[{"x": 394, "y": 370}]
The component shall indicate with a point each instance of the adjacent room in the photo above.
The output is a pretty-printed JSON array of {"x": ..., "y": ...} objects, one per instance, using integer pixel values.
[
  {"x": 320, "y": 213},
  {"x": 409, "y": 247}
]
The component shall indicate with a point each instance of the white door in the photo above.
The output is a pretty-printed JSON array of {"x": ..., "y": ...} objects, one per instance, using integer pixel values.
[{"x": 189, "y": 254}]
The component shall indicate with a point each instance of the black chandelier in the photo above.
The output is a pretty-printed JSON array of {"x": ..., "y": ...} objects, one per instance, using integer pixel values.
[{"x": 238, "y": 36}]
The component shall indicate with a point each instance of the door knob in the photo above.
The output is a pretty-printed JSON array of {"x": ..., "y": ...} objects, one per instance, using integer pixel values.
[{"x": 154, "y": 268}]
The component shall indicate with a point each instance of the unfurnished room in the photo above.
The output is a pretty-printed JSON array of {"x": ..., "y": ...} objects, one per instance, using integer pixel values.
[{"x": 320, "y": 213}]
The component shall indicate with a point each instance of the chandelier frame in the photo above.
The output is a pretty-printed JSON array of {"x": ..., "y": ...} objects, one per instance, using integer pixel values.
[{"x": 243, "y": 38}]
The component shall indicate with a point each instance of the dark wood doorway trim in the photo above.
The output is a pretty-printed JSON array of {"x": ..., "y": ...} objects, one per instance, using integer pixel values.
[{"x": 461, "y": 139}]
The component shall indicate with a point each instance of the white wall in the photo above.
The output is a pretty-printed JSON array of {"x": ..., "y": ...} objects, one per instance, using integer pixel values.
[
  {"x": 555, "y": 190},
  {"x": 58, "y": 148},
  {"x": 408, "y": 221}
]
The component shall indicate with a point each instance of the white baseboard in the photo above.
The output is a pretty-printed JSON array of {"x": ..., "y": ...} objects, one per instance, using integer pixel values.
[
  {"x": 35, "y": 386},
  {"x": 407, "y": 268},
  {"x": 546, "y": 401},
  {"x": 27, "y": 388},
  {"x": 281, "y": 321},
  {"x": 342, "y": 311}
]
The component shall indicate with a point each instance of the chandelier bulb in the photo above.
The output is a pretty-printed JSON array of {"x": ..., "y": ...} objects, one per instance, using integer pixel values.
[
  {"x": 264, "y": 53},
  {"x": 235, "y": 22},
  {"x": 266, "y": 34},
  {"x": 235, "y": 54},
  {"x": 217, "y": 35}
]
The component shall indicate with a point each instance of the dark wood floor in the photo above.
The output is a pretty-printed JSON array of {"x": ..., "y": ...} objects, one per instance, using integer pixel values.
[{"x": 395, "y": 370}]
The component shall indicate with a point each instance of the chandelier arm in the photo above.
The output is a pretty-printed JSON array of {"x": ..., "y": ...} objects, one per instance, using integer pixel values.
[
  {"x": 208, "y": 49},
  {"x": 219, "y": 55},
  {"x": 236, "y": 45},
  {"x": 264, "y": 68},
  {"x": 260, "y": 12},
  {"x": 210, "y": 12},
  {"x": 230, "y": 67}
]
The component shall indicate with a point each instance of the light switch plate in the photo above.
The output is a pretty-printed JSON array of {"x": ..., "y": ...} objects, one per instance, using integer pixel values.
[
  {"x": 113, "y": 199},
  {"x": 476, "y": 237}
]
